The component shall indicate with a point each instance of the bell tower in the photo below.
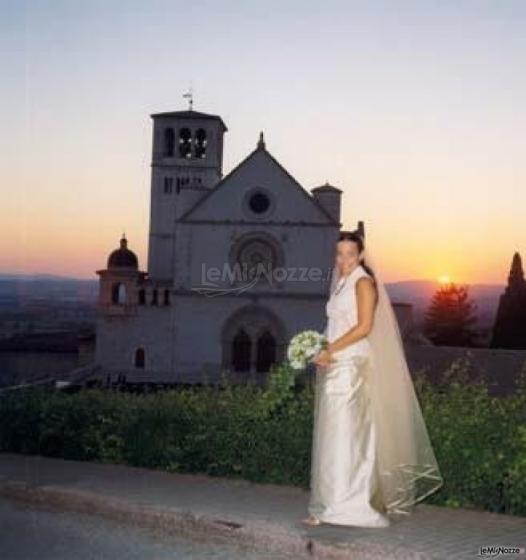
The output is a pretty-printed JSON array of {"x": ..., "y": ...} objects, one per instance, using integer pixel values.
[{"x": 187, "y": 161}]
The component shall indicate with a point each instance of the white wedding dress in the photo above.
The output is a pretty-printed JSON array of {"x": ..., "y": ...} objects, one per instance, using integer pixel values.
[{"x": 344, "y": 481}]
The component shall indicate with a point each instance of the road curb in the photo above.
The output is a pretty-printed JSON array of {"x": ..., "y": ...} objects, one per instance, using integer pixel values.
[{"x": 261, "y": 535}]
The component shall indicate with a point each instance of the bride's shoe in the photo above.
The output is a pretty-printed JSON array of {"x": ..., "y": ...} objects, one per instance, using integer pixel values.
[{"x": 311, "y": 521}]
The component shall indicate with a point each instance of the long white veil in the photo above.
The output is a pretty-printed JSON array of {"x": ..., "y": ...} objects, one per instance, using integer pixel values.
[{"x": 408, "y": 471}]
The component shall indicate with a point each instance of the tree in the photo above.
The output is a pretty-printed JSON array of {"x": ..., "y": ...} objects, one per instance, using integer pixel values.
[
  {"x": 450, "y": 317},
  {"x": 509, "y": 330}
]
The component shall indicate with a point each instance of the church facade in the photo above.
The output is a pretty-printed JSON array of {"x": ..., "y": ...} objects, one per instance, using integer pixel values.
[{"x": 237, "y": 263}]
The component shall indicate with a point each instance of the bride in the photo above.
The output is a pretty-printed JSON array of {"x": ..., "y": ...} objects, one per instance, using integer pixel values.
[{"x": 371, "y": 454}]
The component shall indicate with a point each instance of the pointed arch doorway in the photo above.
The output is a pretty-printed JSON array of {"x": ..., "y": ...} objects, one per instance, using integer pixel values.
[{"x": 252, "y": 338}]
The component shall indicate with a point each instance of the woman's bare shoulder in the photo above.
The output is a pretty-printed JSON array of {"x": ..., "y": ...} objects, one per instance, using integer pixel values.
[
  {"x": 365, "y": 280},
  {"x": 366, "y": 287}
]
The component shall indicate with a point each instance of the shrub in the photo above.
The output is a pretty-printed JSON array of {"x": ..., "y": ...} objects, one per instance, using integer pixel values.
[{"x": 264, "y": 434}]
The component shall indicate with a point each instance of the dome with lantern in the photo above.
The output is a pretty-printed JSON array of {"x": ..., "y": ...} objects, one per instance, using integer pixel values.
[{"x": 123, "y": 257}]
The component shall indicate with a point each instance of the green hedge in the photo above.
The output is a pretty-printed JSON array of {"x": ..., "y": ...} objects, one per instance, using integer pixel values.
[{"x": 264, "y": 435}]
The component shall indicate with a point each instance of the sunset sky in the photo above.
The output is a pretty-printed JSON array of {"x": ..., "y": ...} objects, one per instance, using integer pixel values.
[{"x": 415, "y": 109}]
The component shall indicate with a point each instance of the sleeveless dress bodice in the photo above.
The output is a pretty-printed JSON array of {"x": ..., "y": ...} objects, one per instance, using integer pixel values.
[{"x": 342, "y": 314}]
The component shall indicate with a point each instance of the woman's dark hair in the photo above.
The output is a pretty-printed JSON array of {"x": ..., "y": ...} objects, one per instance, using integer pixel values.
[{"x": 358, "y": 239}]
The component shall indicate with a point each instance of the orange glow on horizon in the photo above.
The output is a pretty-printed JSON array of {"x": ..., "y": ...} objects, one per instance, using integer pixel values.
[{"x": 444, "y": 279}]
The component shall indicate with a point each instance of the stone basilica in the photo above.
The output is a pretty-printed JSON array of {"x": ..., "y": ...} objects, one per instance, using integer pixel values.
[{"x": 237, "y": 264}]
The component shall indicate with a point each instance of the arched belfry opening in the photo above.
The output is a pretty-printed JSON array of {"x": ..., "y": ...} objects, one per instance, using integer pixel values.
[
  {"x": 252, "y": 339},
  {"x": 200, "y": 143},
  {"x": 118, "y": 293},
  {"x": 169, "y": 142},
  {"x": 185, "y": 143}
]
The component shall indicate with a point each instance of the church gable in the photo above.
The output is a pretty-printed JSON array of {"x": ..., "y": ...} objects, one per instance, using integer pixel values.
[{"x": 258, "y": 188}]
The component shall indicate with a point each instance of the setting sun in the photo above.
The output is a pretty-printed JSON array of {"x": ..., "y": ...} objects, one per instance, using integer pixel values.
[{"x": 444, "y": 279}]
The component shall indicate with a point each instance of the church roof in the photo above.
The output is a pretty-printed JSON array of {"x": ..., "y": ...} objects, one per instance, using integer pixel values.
[
  {"x": 259, "y": 148},
  {"x": 189, "y": 114}
]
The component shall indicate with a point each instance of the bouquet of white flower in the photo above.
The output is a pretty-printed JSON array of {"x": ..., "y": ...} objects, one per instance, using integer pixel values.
[{"x": 304, "y": 346}]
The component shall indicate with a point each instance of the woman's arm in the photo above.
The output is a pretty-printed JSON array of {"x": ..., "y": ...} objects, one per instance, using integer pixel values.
[{"x": 365, "y": 301}]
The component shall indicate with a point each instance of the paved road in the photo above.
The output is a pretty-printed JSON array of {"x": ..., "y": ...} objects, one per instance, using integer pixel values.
[
  {"x": 264, "y": 515},
  {"x": 30, "y": 532}
]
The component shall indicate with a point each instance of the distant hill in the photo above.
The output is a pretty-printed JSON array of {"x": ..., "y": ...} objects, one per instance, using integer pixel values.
[
  {"x": 17, "y": 287},
  {"x": 39, "y": 276}
]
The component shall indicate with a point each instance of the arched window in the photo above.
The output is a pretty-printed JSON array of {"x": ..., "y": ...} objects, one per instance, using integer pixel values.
[
  {"x": 200, "y": 143},
  {"x": 142, "y": 296},
  {"x": 169, "y": 142},
  {"x": 118, "y": 294},
  {"x": 185, "y": 143},
  {"x": 266, "y": 352},
  {"x": 166, "y": 297},
  {"x": 139, "y": 358},
  {"x": 154, "y": 297},
  {"x": 241, "y": 351}
]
